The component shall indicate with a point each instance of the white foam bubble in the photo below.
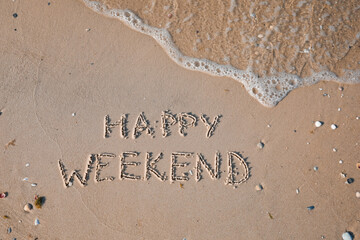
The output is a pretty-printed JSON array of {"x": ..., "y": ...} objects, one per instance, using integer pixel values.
[{"x": 268, "y": 90}]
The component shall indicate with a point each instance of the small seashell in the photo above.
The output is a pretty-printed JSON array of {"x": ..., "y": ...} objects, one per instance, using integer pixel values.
[
  {"x": 343, "y": 175},
  {"x": 297, "y": 191},
  {"x": 346, "y": 236},
  {"x": 25, "y": 179},
  {"x": 260, "y": 145},
  {"x": 334, "y": 150},
  {"x": 310, "y": 207},
  {"x": 36, "y": 222},
  {"x": 341, "y": 161},
  {"x": 34, "y": 184},
  {"x": 27, "y": 164},
  {"x": 357, "y": 194},
  {"x": 333, "y": 126},
  {"x": 259, "y": 187},
  {"x": 9, "y": 230},
  {"x": 316, "y": 168},
  {"x": 28, "y": 207},
  {"x": 318, "y": 124},
  {"x": 3, "y": 195},
  {"x": 73, "y": 114}
]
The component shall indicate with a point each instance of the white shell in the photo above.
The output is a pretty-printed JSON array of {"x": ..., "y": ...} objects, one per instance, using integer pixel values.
[
  {"x": 36, "y": 222},
  {"x": 260, "y": 145},
  {"x": 318, "y": 124},
  {"x": 258, "y": 187},
  {"x": 28, "y": 207},
  {"x": 33, "y": 184},
  {"x": 334, "y": 150},
  {"x": 346, "y": 236},
  {"x": 333, "y": 126},
  {"x": 357, "y": 194},
  {"x": 297, "y": 191},
  {"x": 28, "y": 164}
]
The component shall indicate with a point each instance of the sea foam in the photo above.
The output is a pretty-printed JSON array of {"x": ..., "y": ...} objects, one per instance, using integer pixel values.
[{"x": 268, "y": 90}]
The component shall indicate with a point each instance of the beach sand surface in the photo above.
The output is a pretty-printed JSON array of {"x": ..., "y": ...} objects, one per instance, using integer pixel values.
[{"x": 66, "y": 67}]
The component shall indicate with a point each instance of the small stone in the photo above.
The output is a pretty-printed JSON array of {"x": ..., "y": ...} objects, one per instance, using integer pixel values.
[
  {"x": 73, "y": 114},
  {"x": 297, "y": 191},
  {"x": 346, "y": 236},
  {"x": 357, "y": 194},
  {"x": 333, "y": 126},
  {"x": 260, "y": 36},
  {"x": 343, "y": 175},
  {"x": 310, "y": 207},
  {"x": 28, "y": 207},
  {"x": 341, "y": 88},
  {"x": 357, "y": 118},
  {"x": 341, "y": 161},
  {"x": 334, "y": 150},
  {"x": 15, "y": 15},
  {"x": 88, "y": 29},
  {"x": 316, "y": 168},
  {"x": 259, "y": 187},
  {"x": 349, "y": 181},
  {"x": 339, "y": 109},
  {"x": 36, "y": 222},
  {"x": 318, "y": 124},
  {"x": 34, "y": 184},
  {"x": 260, "y": 145},
  {"x": 9, "y": 230},
  {"x": 27, "y": 165},
  {"x": 191, "y": 172},
  {"x": 358, "y": 166},
  {"x": 25, "y": 179}
]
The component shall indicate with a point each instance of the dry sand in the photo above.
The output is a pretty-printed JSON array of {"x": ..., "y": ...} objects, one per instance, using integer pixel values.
[{"x": 59, "y": 81}]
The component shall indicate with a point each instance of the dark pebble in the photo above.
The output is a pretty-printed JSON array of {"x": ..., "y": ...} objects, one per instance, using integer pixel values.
[
  {"x": 350, "y": 180},
  {"x": 15, "y": 15},
  {"x": 310, "y": 207}
]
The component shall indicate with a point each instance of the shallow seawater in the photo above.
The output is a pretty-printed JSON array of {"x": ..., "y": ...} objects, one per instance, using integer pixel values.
[{"x": 271, "y": 47}]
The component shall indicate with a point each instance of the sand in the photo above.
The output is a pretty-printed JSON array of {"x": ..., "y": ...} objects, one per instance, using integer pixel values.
[{"x": 66, "y": 67}]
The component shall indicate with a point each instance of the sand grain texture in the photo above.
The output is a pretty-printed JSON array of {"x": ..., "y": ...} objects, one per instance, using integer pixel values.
[{"x": 52, "y": 67}]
